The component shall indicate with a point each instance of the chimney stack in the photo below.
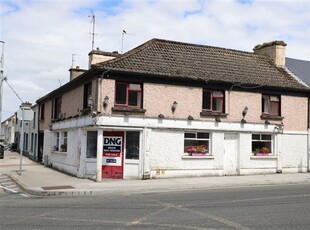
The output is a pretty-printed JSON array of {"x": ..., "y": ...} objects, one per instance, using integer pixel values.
[
  {"x": 275, "y": 50},
  {"x": 75, "y": 72},
  {"x": 97, "y": 56}
]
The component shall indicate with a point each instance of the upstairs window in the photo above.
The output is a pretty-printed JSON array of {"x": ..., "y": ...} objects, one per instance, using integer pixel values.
[
  {"x": 213, "y": 101},
  {"x": 42, "y": 111},
  {"x": 57, "y": 108},
  {"x": 128, "y": 94},
  {"x": 87, "y": 95},
  {"x": 34, "y": 120},
  {"x": 271, "y": 105}
]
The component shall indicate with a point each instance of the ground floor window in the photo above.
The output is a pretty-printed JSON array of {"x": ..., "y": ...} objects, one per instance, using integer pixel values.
[
  {"x": 132, "y": 145},
  {"x": 60, "y": 141},
  {"x": 262, "y": 144},
  {"x": 91, "y": 151},
  {"x": 197, "y": 143}
]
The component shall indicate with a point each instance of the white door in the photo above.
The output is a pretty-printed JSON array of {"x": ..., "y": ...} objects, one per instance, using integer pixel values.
[
  {"x": 132, "y": 155},
  {"x": 230, "y": 154}
]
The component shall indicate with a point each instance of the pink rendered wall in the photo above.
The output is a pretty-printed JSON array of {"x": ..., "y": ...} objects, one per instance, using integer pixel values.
[
  {"x": 106, "y": 88},
  {"x": 158, "y": 99},
  {"x": 295, "y": 112},
  {"x": 72, "y": 102}
]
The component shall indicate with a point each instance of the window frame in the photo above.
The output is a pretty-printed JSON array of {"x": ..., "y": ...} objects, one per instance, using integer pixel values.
[
  {"x": 269, "y": 103},
  {"x": 42, "y": 111},
  {"x": 196, "y": 138},
  {"x": 128, "y": 90},
  {"x": 138, "y": 133},
  {"x": 56, "y": 111},
  {"x": 89, "y": 153},
  {"x": 262, "y": 140},
  {"x": 212, "y": 97},
  {"x": 60, "y": 139},
  {"x": 86, "y": 94}
]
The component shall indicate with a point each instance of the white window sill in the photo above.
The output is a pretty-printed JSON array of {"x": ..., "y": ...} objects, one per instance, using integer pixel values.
[
  {"x": 264, "y": 157},
  {"x": 198, "y": 157},
  {"x": 90, "y": 160},
  {"x": 59, "y": 152}
]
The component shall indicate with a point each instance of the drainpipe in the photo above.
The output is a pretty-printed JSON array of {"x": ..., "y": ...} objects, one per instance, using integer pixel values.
[{"x": 278, "y": 140}]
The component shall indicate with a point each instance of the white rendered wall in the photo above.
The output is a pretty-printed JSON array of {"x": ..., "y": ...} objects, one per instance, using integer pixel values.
[{"x": 162, "y": 143}]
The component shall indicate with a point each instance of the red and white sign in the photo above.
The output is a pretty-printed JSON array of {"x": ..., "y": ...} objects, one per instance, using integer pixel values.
[{"x": 112, "y": 149}]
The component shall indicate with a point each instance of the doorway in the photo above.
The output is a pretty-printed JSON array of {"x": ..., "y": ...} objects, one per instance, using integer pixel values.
[
  {"x": 112, "y": 156},
  {"x": 230, "y": 154}
]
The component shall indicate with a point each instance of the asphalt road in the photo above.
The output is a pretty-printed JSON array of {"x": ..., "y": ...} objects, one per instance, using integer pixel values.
[{"x": 269, "y": 207}]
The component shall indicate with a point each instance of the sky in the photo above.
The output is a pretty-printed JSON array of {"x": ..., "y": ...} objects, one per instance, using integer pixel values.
[{"x": 43, "y": 38}]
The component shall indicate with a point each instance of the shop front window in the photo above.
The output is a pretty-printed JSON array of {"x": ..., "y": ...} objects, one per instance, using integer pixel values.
[
  {"x": 91, "y": 151},
  {"x": 262, "y": 144},
  {"x": 197, "y": 143},
  {"x": 132, "y": 145}
]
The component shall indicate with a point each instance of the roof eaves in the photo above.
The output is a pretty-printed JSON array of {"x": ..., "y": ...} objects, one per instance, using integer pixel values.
[{"x": 64, "y": 87}]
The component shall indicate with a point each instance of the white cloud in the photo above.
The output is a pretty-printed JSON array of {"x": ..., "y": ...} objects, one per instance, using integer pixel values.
[{"x": 41, "y": 36}]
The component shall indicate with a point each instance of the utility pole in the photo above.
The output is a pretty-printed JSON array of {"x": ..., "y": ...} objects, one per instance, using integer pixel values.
[
  {"x": 23, "y": 114},
  {"x": 1, "y": 81}
]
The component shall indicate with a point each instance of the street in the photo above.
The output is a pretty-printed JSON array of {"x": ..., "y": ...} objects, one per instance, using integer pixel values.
[{"x": 266, "y": 207}]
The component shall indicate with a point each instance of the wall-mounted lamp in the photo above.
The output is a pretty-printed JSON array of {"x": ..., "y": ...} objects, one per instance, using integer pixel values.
[
  {"x": 161, "y": 116},
  {"x": 217, "y": 119},
  {"x": 174, "y": 106},
  {"x": 267, "y": 122},
  {"x": 244, "y": 113},
  {"x": 243, "y": 120},
  {"x": 190, "y": 118},
  {"x": 90, "y": 101},
  {"x": 105, "y": 101}
]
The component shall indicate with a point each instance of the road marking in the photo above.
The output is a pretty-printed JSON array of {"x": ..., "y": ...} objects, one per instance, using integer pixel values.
[
  {"x": 11, "y": 190},
  {"x": 24, "y": 195},
  {"x": 202, "y": 214}
]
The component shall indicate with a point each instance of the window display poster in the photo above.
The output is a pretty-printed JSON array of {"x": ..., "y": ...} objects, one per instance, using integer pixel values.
[{"x": 112, "y": 150}]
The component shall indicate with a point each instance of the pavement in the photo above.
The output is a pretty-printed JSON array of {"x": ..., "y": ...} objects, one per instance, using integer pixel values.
[{"x": 37, "y": 179}]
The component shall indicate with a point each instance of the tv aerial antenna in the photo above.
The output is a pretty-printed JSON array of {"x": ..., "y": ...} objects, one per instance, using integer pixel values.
[
  {"x": 93, "y": 21},
  {"x": 123, "y": 34}
]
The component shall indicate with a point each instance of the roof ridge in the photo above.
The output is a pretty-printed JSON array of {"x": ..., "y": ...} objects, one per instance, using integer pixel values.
[
  {"x": 201, "y": 45},
  {"x": 128, "y": 53},
  {"x": 155, "y": 40}
]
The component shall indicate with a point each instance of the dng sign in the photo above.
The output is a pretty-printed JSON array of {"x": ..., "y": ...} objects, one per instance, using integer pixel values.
[{"x": 112, "y": 141}]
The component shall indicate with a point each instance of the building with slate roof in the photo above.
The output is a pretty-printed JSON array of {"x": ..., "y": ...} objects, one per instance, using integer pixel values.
[
  {"x": 299, "y": 68},
  {"x": 173, "y": 109}
]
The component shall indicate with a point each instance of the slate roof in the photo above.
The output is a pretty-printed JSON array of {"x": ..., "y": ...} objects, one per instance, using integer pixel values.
[
  {"x": 300, "y": 68},
  {"x": 173, "y": 59}
]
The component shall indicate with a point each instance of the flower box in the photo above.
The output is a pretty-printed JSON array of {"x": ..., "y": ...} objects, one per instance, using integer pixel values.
[
  {"x": 198, "y": 154},
  {"x": 262, "y": 154}
]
